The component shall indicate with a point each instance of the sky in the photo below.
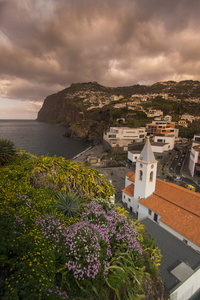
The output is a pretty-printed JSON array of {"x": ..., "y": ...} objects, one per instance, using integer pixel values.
[{"x": 45, "y": 45}]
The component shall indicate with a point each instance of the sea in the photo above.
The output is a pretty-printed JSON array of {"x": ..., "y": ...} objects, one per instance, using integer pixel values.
[{"x": 41, "y": 138}]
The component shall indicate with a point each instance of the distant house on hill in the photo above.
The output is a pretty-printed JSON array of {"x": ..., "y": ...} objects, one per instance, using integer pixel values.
[{"x": 182, "y": 123}]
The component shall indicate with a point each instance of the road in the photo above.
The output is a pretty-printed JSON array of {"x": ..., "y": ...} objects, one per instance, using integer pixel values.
[{"x": 181, "y": 158}]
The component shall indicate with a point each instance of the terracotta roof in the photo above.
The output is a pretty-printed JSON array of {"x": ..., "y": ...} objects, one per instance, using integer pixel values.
[
  {"x": 178, "y": 207},
  {"x": 131, "y": 176},
  {"x": 129, "y": 190}
]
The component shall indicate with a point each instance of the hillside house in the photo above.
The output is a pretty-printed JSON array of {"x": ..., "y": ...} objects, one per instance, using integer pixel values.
[
  {"x": 154, "y": 113},
  {"x": 188, "y": 117},
  {"x": 182, "y": 123}
]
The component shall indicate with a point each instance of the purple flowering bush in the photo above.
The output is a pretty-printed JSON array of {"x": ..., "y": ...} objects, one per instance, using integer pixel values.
[
  {"x": 118, "y": 229},
  {"x": 86, "y": 250}
]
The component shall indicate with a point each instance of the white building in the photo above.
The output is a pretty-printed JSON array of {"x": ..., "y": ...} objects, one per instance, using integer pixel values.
[
  {"x": 154, "y": 113},
  {"x": 167, "y": 118},
  {"x": 168, "y": 139},
  {"x": 188, "y": 117},
  {"x": 194, "y": 155},
  {"x": 116, "y": 98},
  {"x": 123, "y": 136},
  {"x": 174, "y": 209}
]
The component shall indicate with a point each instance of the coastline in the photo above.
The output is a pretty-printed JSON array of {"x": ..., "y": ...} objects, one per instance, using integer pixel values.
[
  {"x": 81, "y": 153},
  {"x": 94, "y": 151}
]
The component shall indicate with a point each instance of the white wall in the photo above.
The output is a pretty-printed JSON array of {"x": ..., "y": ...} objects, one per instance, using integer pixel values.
[
  {"x": 179, "y": 236},
  {"x": 193, "y": 159},
  {"x": 133, "y": 156},
  {"x": 123, "y": 136},
  {"x": 160, "y": 149},
  {"x": 143, "y": 212},
  {"x": 165, "y": 139},
  {"x": 187, "y": 288},
  {"x": 130, "y": 201}
]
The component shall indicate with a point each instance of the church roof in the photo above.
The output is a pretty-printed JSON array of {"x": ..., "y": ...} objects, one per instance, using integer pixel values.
[
  {"x": 147, "y": 152},
  {"x": 178, "y": 207},
  {"x": 131, "y": 176},
  {"x": 129, "y": 190}
]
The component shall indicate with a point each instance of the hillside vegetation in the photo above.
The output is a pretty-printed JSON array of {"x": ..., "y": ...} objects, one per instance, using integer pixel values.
[
  {"x": 78, "y": 106},
  {"x": 62, "y": 239}
]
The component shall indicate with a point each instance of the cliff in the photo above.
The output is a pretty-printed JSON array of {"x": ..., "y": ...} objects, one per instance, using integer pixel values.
[{"x": 88, "y": 108}]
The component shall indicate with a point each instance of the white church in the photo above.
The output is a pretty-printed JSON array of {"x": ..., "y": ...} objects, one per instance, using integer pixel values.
[{"x": 172, "y": 211}]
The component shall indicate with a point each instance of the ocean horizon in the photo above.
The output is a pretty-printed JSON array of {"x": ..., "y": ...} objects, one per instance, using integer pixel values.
[{"x": 41, "y": 138}]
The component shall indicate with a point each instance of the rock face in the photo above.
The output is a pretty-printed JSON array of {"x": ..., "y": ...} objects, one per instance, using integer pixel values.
[{"x": 86, "y": 109}]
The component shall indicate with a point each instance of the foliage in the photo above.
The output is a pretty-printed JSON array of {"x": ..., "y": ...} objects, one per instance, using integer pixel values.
[
  {"x": 7, "y": 151},
  {"x": 68, "y": 204},
  {"x": 58, "y": 173},
  {"x": 185, "y": 132},
  {"x": 43, "y": 254}
]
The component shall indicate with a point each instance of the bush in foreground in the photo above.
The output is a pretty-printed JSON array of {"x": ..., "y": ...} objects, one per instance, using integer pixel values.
[{"x": 98, "y": 254}]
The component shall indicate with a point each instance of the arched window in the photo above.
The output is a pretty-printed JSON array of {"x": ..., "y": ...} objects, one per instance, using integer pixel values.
[
  {"x": 141, "y": 174},
  {"x": 151, "y": 176}
]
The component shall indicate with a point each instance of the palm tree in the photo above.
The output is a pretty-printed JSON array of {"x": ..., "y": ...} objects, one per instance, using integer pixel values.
[
  {"x": 7, "y": 151},
  {"x": 68, "y": 204}
]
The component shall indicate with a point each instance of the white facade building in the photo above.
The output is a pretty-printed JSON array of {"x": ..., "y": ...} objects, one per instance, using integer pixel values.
[
  {"x": 188, "y": 117},
  {"x": 167, "y": 139},
  {"x": 123, "y": 136}
]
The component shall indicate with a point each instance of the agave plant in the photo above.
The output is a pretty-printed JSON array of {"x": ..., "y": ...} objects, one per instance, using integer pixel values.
[
  {"x": 7, "y": 151},
  {"x": 68, "y": 203}
]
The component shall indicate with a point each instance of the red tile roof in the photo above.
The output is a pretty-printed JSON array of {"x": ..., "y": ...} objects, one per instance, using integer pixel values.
[
  {"x": 129, "y": 190},
  {"x": 131, "y": 176},
  {"x": 178, "y": 207}
]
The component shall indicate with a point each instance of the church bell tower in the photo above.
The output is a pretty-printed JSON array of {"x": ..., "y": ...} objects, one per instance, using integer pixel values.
[{"x": 145, "y": 174}]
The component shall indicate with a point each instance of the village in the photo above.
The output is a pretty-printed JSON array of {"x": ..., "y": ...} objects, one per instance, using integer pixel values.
[{"x": 156, "y": 177}]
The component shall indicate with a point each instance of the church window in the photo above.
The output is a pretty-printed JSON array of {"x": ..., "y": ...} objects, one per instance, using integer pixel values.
[
  {"x": 141, "y": 174},
  {"x": 151, "y": 176},
  {"x": 155, "y": 217}
]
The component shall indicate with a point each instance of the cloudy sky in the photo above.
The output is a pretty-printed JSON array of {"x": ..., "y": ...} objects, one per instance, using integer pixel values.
[{"x": 45, "y": 45}]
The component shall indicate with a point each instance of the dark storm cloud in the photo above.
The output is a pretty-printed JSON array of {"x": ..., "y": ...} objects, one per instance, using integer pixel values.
[{"x": 47, "y": 45}]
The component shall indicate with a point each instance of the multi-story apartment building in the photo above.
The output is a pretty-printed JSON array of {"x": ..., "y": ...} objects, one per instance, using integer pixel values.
[
  {"x": 121, "y": 137},
  {"x": 162, "y": 128}
]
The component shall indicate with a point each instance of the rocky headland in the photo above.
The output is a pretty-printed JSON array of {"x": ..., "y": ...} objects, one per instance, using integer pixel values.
[{"x": 89, "y": 109}]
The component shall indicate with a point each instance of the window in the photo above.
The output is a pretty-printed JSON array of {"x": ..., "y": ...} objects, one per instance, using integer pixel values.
[
  {"x": 141, "y": 174},
  {"x": 155, "y": 217},
  {"x": 151, "y": 176},
  {"x": 129, "y": 200},
  {"x": 149, "y": 211},
  {"x": 124, "y": 196}
]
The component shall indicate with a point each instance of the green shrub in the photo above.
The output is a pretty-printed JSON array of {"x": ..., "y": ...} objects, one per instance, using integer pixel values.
[
  {"x": 7, "y": 151},
  {"x": 68, "y": 204}
]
